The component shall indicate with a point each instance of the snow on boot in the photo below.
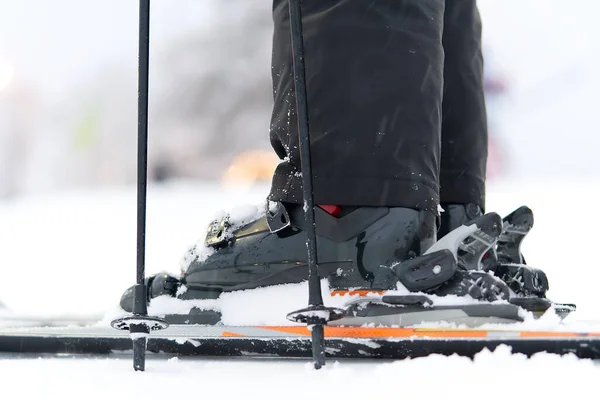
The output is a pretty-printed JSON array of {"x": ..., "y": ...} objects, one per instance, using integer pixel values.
[{"x": 353, "y": 248}]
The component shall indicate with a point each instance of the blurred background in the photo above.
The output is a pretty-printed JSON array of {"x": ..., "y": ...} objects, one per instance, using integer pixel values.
[
  {"x": 68, "y": 91},
  {"x": 69, "y": 88},
  {"x": 68, "y": 125}
]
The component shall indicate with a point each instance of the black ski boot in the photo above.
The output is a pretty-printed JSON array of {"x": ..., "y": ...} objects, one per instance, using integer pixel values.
[
  {"x": 364, "y": 248},
  {"x": 356, "y": 248},
  {"x": 389, "y": 251}
]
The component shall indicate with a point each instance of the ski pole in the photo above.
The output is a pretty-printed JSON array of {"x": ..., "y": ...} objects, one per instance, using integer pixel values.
[
  {"x": 139, "y": 325},
  {"x": 316, "y": 315},
  {"x": 139, "y": 300}
]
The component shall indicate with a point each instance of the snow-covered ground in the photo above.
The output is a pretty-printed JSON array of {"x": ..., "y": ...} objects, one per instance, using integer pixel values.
[
  {"x": 74, "y": 253},
  {"x": 490, "y": 376}
]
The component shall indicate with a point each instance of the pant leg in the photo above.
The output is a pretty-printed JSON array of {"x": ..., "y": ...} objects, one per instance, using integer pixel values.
[
  {"x": 464, "y": 123},
  {"x": 374, "y": 74}
]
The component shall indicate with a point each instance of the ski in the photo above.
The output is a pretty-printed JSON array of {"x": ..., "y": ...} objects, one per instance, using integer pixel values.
[{"x": 295, "y": 341}]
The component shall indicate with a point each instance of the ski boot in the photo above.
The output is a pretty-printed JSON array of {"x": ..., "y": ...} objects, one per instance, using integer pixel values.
[
  {"x": 373, "y": 249},
  {"x": 353, "y": 246}
]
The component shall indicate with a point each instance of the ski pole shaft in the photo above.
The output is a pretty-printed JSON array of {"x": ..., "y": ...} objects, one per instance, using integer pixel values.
[
  {"x": 315, "y": 297},
  {"x": 139, "y": 300},
  {"x": 142, "y": 165}
]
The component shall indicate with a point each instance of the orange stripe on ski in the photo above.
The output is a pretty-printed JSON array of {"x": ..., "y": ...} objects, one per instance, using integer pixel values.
[
  {"x": 362, "y": 292},
  {"x": 358, "y": 332},
  {"x": 231, "y": 334},
  {"x": 450, "y": 333},
  {"x": 374, "y": 333}
]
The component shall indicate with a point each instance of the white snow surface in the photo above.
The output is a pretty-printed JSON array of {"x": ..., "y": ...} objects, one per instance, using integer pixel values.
[{"x": 496, "y": 375}]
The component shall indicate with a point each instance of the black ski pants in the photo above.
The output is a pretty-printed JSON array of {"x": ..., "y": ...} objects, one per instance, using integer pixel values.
[{"x": 396, "y": 106}]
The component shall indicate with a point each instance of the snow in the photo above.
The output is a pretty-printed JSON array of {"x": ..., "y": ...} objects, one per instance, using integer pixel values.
[
  {"x": 198, "y": 252},
  {"x": 494, "y": 375},
  {"x": 135, "y": 336},
  {"x": 245, "y": 214},
  {"x": 240, "y": 215},
  {"x": 270, "y": 305}
]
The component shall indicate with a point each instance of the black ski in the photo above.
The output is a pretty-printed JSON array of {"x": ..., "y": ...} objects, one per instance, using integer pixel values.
[{"x": 586, "y": 347}]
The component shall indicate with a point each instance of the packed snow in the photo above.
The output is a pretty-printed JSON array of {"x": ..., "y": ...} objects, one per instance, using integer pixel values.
[
  {"x": 270, "y": 305},
  {"x": 496, "y": 375}
]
